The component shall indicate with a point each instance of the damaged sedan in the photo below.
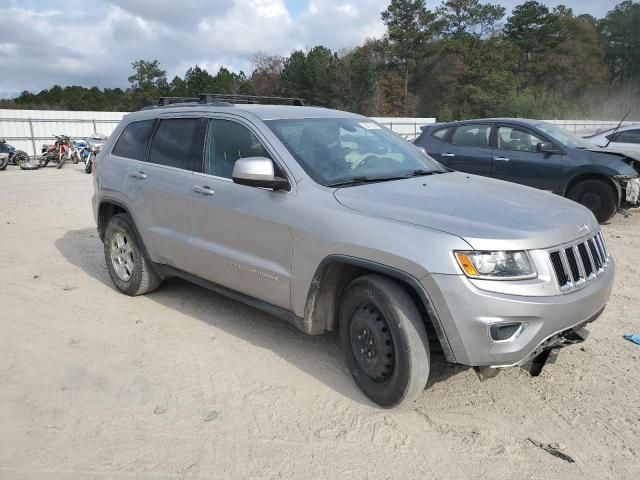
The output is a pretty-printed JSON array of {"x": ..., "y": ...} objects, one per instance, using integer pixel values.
[{"x": 541, "y": 155}]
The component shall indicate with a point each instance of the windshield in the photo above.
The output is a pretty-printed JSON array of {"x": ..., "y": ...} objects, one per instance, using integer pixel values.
[
  {"x": 344, "y": 150},
  {"x": 564, "y": 137}
]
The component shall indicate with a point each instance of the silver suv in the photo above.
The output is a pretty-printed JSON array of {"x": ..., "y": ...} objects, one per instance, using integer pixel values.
[{"x": 332, "y": 222}]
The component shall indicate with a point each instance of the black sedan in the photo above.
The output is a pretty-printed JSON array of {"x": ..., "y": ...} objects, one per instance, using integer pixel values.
[{"x": 540, "y": 155}]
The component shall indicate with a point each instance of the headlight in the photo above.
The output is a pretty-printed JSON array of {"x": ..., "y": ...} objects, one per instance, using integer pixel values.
[{"x": 496, "y": 265}]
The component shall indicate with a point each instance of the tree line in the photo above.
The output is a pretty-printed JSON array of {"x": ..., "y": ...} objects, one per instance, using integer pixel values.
[{"x": 463, "y": 59}]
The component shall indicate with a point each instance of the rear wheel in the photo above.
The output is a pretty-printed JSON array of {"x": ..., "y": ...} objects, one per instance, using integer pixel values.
[
  {"x": 127, "y": 264},
  {"x": 598, "y": 196},
  {"x": 24, "y": 162},
  {"x": 384, "y": 340}
]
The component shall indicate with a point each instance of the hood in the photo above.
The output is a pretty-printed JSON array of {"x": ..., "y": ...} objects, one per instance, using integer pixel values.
[
  {"x": 488, "y": 214},
  {"x": 633, "y": 153}
]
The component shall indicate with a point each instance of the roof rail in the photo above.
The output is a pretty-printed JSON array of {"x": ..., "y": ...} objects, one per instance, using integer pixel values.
[
  {"x": 231, "y": 98},
  {"x": 223, "y": 100}
]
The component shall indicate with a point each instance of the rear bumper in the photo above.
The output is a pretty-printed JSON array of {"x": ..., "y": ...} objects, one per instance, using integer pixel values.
[{"x": 466, "y": 314}]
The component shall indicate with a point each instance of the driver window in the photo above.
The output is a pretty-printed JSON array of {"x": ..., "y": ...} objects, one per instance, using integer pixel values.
[
  {"x": 227, "y": 141},
  {"x": 512, "y": 138}
]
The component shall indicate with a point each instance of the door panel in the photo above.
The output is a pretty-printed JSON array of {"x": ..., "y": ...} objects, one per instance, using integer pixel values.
[
  {"x": 468, "y": 149},
  {"x": 160, "y": 203},
  {"x": 516, "y": 159},
  {"x": 158, "y": 190},
  {"x": 241, "y": 236}
]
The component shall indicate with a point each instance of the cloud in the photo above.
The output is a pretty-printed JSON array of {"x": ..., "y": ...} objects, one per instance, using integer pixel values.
[{"x": 94, "y": 42}]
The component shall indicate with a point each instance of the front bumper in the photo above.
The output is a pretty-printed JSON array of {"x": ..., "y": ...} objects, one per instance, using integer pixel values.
[{"x": 466, "y": 313}]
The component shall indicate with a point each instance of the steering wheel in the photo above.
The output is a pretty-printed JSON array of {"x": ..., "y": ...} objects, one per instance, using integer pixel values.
[{"x": 366, "y": 161}]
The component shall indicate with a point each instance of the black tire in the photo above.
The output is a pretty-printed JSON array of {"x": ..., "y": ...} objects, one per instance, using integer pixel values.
[
  {"x": 143, "y": 279},
  {"x": 4, "y": 161},
  {"x": 44, "y": 160},
  {"x": 75, "y": 158},
  {"x": 598, "y": 196},
  {"x": 61, "y": 161},
  {"x": 88, "y": 164},
  {"x": 22, "y": 159},
  {"x": 392, "y": 368}
]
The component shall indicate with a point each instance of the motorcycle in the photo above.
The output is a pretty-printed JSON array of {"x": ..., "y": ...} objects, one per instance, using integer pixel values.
[
  {"x": 9, "y": 154},
  {"x": 80, "y": 151},
  {"x": 95, "y": 145},
  {"x": 4, "y": 155},
  {"x": 58, "y": 152}
]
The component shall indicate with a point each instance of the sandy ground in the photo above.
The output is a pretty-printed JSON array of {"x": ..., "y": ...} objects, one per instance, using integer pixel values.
[{"x": 184, "y": 383}]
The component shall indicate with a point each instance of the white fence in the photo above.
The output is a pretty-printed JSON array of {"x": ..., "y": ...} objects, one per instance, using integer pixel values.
[{"x": 28, "y": 129}]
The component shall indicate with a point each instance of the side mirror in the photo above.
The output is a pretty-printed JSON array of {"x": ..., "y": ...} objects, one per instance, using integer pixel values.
[
  {"x": 257, "y": 172},
  {"x": 546, "y": 147}
]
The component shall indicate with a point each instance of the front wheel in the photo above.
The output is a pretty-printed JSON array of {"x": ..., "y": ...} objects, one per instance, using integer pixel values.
[
  {"x": 127, "y": 264},
  {"x": 384, "y": 340},
  {"x": 88, "y": 163},
  {"x": 598, "y": 196},
  {"x": 62, "y": 159}
]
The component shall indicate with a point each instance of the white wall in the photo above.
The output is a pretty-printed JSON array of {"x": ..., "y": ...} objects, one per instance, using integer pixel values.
[{"x": 26, "y": 129}]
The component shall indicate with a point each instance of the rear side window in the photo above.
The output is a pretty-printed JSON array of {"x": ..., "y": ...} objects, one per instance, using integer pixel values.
[
  {"x": 441, "y": 133},
  {"x": 133, "y": 141},
  {"x": 228, "y": 141},
  {"x": 472, "y": 135},
  {"x": 173, "y": 144}
]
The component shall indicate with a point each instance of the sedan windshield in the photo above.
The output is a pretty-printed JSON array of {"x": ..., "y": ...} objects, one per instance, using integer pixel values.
[
  {"x": 565, "y": 138},
  {"x": 340, "y": 151}
]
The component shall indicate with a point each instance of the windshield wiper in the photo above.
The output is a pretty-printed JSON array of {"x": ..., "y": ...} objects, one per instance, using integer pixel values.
[
  {"x": 360, "y": 179},
  {"x": 420, "y": 172}
]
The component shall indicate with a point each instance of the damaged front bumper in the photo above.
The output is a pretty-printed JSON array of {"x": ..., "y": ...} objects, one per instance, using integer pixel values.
[
  {"x": 544, "y": 353},
  {"x": 629, "y": 189}
]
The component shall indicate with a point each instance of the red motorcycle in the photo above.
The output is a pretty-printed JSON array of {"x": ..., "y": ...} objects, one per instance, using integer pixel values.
[{"x": 58, "y": 152}]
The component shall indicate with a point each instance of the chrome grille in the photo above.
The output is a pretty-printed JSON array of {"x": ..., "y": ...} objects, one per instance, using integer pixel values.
[{"x": 579, "y": 263}]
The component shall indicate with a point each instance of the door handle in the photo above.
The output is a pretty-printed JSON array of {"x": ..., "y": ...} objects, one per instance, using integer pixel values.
[
  {"x": 138, "y": 174},
  {"x": 451, "y": 155},
  {"x": 204, "y": 190},
  {"x": 501, "y": 159}
]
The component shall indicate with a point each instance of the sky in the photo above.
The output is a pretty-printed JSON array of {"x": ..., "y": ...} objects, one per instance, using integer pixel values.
[{"x": 93, "y": 42}]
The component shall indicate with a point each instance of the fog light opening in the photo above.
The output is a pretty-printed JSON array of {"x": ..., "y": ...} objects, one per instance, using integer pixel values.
[{"x": 504, "y": 331}]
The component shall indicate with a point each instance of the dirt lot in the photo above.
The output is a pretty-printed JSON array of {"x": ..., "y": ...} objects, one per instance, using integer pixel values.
[{"x": 184, "y": 383}]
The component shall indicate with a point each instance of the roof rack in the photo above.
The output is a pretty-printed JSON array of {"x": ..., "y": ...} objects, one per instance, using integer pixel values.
[
  {"x": 224, "y": 100},
  {"x": 230, "y": 98}
]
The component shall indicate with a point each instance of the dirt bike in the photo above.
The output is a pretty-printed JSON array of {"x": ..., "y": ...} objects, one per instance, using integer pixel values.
[{"x": 58, "y": 152}]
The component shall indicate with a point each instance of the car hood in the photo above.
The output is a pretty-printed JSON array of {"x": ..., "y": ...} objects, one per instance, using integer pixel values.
[
  {"x": 488, "y": 214},
  {"x": 633, "y": 153}
]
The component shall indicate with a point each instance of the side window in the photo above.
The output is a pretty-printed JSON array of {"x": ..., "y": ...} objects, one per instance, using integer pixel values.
[
  {"x": 512, "y": 138},
  {"x": 228, "y": 141},
  {"x": 440, "y": 134},
  {"x": 628, "y": 136},
  {"x": 133, "y": 141},
  {"x": 174, "y": 143},
  {"x": 473, "y": 135}
]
